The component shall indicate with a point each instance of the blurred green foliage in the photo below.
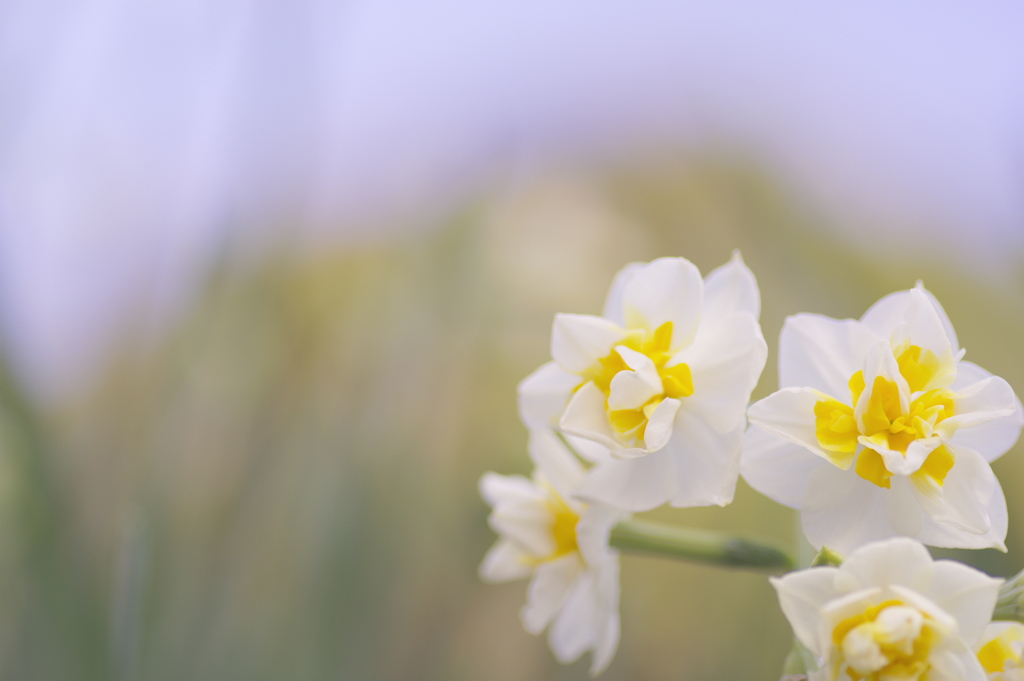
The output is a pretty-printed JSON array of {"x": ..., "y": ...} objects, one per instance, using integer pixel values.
[{"x": 284, "y": 485}]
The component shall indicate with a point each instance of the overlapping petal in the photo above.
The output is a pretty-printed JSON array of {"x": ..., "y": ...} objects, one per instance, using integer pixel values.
[
  {"x": 666, "y": 290},
  {"x": 579, "y": 341},
  {"x": 730, "y": 288},
  {"x": 725, "y": 359},
  {"x": 632, "y": 485},
  {"x": 777, "y": 468},
  {"x": 822, "y": 353},
  {"x": 789, "y": 415},
  {"x": 544, "y": 394}
]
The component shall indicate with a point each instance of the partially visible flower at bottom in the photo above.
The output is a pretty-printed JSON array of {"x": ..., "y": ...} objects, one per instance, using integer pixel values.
[
  {"x": 890, "y": 613},
  {"x": 563, "y": 544},
  {"x": 1000, "y": 650}
]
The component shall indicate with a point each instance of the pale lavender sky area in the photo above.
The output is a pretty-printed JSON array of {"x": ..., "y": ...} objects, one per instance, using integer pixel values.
[{"x": 138, "y": 137}]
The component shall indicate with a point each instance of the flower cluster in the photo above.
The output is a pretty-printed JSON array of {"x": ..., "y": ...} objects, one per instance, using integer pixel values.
[{"x": 881, "y": 435}]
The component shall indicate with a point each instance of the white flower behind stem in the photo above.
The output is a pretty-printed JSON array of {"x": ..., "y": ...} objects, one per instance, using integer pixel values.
[{"x": 562, "y": 545}]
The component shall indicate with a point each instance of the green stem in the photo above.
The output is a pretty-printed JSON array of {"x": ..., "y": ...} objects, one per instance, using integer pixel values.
[
  {"x": 1010, "y": 604},
  {"x": 827, "y": 557},
  {"x": 703, "y": 546},
  {"x": 798, "y": 662}
]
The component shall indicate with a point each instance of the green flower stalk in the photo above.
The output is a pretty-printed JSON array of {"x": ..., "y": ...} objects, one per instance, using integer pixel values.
[
  {"x": 1010, "y": 605},
  {"x": 702, "y": 546},
  {"x": 827, "y": 557}
]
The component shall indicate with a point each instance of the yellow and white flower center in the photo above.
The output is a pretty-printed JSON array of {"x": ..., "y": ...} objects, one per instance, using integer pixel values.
[
  {"x": 563, "y": 526},
  {"x": 636, "y": 378},
  {"x": 1003, "y": 653},
  {"x": 884, "y": 423},
  {"x": 887, "y": 642}
]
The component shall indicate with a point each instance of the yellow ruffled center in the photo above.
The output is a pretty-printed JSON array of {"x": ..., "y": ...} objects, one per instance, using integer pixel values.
[
  {"x": 676, "y": 380},
  {"x": 1003, "y": 652},
  {"x": 889, "y": 641},
  {"x": 563, "y": 526},
  {"x": 884, "y": 423}
]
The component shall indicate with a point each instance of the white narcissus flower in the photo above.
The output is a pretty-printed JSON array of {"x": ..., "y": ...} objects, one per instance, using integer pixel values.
[
  {"x": 563, "y": 544},
  {"x": 890, "y": 613},
  {"x": 660, "y": 382},
  {"x": 1000, "y": 650},
  {"x": 881, "y": 430}
]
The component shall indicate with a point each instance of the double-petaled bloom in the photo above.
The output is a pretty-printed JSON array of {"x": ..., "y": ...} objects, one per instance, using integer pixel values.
[
  {"x": 661, "y": 382},
  {"x": 546, "y": 534},
  {"x": 889, "y": 613},
  {"x": 880, "y": 430}
]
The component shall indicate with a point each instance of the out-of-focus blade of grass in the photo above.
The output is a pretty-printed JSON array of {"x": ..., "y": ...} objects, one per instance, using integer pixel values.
[{"x": 54, "y": 624}]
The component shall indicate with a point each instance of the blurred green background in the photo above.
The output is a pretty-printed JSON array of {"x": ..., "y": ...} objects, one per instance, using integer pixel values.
[{"x": 283, "y": 486}]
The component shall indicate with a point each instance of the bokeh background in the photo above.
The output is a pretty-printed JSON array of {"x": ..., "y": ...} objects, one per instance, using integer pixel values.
[{"x": 269, "y": 275}]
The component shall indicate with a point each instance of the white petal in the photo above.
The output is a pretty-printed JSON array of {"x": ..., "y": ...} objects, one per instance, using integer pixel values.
[
  {"x": 1013, "y": 631},
  {"x": 660, "y": 425},
  {"x": 666, "y": 290},
  {"x": 631, "y": 485},
  {"x": 923, "y": 327},
  {"x": 725, "y": 360},
  {"x": 955, "y": 662},
  {"x": 841, "y": 510},
  {"x": 606, "y": 578},
  {"x": 613, "y": 303},
  {"x": 961, "y": 502},
  {"x": 900, "y": 463},
  {"x": 967, "y": 373},
  {"x": 992, "y": 439},
  {"x": 498, "y": 489},
  {"x": 556, "y": 463},
  {"x": 802, "y": 595},
  {"x": 899, "y": 560},
  {"x": 588, "y": 450},
  {"x": 585, "y": 417},
  {"x": 967, "y": 594},
  {"x": 822, "y": 353},
  {"x": 592, "y": 531},
  {"x": 548, "y": 590},
  {"x": 943, "y": 317},
  {"x": 504, "y": 562},
  {"x": 731, "y": 288},
  {"x": 934, "y": 534},
  {"x": 521, "y": 512},
  {"x": 529, "y": 526},
  {"x": 706, "y": 463},
  {"x": 902, "y": 508},
  {"x": 789, "y": 414},
  {"x": 544, "y": 394},
  {"x": 633, "y": 389},
  {"x": 575, "y": 627},
  {"x": 888, "y": 313},
  {"x": 775, "y": 467},
  {"x": 579, "y": 341},
  {"x": 986, "y": 400}
]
